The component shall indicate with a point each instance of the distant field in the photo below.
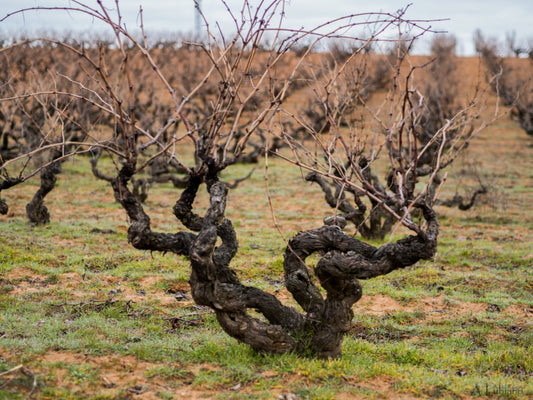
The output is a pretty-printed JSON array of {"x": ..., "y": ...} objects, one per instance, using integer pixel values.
[{"x": 83, "y": 315}]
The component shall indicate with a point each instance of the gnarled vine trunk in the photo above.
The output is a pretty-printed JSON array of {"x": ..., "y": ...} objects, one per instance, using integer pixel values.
[
  {"x": 320, "y": 328},
  {"x": 36, "y": 211},
  {"x": 6, "y": 183},
  {"x": 4, "y": 208}
]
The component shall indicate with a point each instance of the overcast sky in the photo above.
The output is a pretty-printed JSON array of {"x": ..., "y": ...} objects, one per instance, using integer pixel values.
[{"x": 494, "y": 18}]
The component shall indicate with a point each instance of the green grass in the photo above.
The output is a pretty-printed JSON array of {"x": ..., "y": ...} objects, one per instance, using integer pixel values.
[{"x": 78, "y": 305}]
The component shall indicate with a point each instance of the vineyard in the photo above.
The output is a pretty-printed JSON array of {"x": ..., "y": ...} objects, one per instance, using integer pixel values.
[{"x": 244, "y": 218}]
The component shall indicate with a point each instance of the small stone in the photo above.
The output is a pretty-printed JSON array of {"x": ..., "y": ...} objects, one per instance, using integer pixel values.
[
  {"x": 493, "y": 308},
  {"x": 180, "y": 296},
  {"x": 288, "y": 396}
]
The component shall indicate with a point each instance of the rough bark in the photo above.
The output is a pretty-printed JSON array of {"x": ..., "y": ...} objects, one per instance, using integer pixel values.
[
  {"x": 215, "y": 285},
  {"x": 6, "y": 183},
  {"x": 346, "y": 259},
  {"x": 4, "y": 208},
  {"x": 140, "y": 234},
  {"x": 317, "y": 331},
  {"x": 36, "y": 211}
]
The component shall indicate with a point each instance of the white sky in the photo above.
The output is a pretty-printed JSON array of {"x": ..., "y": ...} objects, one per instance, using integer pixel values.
[{"x": 495, "y": 18}]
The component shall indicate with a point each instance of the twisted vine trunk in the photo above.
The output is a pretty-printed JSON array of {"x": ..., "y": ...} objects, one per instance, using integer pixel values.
[
  {"x": 4, "y": 208},
  {"x": 346, "y": 260},
  {"x": 320, "y": 328},
  {"x": 36, "y": 211},
  {"x": 6, "y": 183}
]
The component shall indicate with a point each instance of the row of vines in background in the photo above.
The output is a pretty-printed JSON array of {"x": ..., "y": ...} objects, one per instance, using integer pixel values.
[{"x": 50, "y": 69}]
